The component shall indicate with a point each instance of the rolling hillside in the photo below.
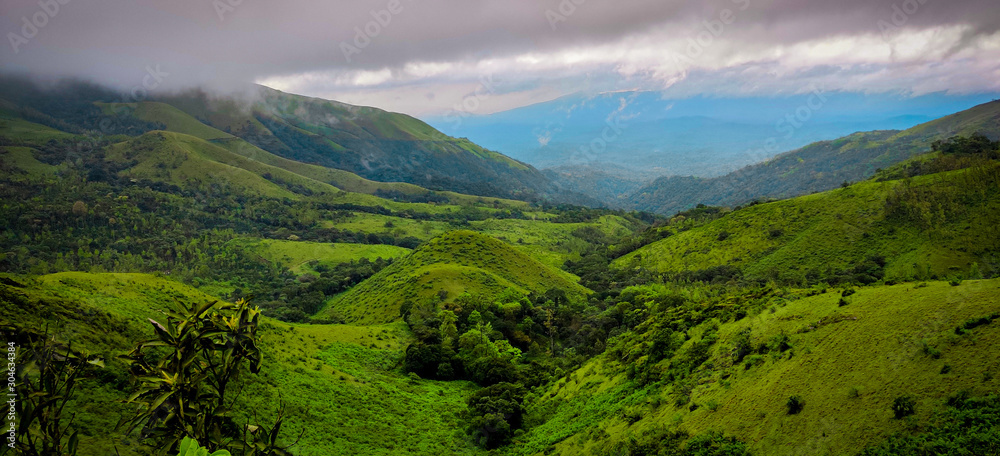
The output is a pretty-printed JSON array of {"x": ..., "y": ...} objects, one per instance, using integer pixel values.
[
  {"x": 369, "y": 142},
  {"x": 863, "y": 318},
  {"x": 936, "y": 225},
  {"x": 846, "y": 364},
  {"x": 816, "y": 167},
  {"x": 195, "y": 164},
  {"x": 177, "y": 121},
  {"x": 363, "y": 146},
  {"x": 455, "y": 263},
  {"x": 359, "y": 404},
  {"x": 304, "y": 257},
  {"x": 232, "y": 218}
]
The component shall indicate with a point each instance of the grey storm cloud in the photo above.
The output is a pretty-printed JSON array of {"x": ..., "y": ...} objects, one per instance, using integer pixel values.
[{"x": 228, "y": 41}]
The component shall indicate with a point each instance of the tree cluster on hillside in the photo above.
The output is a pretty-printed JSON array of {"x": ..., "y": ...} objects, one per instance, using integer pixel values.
[
  {"x": 296, "y": 300},
  {"x": 957, "y": 152}
]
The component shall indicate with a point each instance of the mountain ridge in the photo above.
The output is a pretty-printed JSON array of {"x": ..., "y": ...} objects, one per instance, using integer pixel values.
[{"x": 851, "y": 158}]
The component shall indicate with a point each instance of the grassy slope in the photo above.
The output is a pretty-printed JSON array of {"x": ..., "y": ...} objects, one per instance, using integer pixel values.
[
  {"x": 15, "y": 127},
  {"x": 550, "y": 243},
  {"x": 189, "y": 162},
  {"x": 193, "y": 163},
  {"x": 22, "y": 159},
  {"x": 174, "y": 119},
  {"x": 340, "y": 383},
  {"x": 872, "y": 346},
  {"x": 816, "y": 167},
  {"x": 456, "y": 262},
  {"x": 313, "y": 115},
  {"x": 984, "y": 118},
  {"x": 349, "y": 181},
  {"x": 296, "y": 255},
  {"x": 178, "y": 121},
  {"x": 835, "y": 229}
]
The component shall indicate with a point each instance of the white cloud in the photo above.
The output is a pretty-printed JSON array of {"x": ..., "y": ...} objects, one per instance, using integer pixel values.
[
  {"x": 915, "y": 60},
  {"x": 434, "y": 53}
]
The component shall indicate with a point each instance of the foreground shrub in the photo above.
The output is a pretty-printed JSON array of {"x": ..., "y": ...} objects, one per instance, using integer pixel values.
[
  {"x": 968, "y": 426},
  {"x": 795, "y": 404},
  {"x": 903, "y": 407}
]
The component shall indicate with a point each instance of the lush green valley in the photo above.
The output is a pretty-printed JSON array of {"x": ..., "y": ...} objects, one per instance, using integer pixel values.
[{"x": 194, "y": 245}]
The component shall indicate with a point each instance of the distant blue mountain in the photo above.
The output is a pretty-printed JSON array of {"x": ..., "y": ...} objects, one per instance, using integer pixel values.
[{"x": 702, "y": 136}]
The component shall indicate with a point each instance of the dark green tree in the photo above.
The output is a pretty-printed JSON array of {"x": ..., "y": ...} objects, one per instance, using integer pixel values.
[{"x": 495, "y": 412}]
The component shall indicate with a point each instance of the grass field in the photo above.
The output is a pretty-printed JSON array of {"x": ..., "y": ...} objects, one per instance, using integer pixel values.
[
  {"x": 550, "y": 243},
  {"x": 340, "y": 384},
  {"x": 791, "y": 239},
  {"x": 296, "y": 255},
  {"x": 848, "y": 364},
  {"x": 15, "y": 127},
  {"x": 172, "y": 118},
  {"x": 454, "y": 263},
  {"x": 23, "y": 159},
  {"x": 193, "y": 163}
]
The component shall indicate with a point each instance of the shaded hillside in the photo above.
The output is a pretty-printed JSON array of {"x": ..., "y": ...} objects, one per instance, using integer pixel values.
[
  {"x": 816, "y": 167},
  {"x": 441, "y": 270},
  {"x": 609, "y": 184},
  {"x": 937, "y": 225},
  {"x": 175, "y": 120},
  {"x": 370, "y": 142}
]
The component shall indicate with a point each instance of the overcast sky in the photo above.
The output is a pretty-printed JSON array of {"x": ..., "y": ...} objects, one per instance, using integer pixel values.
[{"x": 431, "y": 55}]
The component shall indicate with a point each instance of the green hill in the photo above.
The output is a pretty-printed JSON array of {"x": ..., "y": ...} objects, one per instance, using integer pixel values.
[
  {"x": 847, "y": 364},
  {"x": 369, "y": 142},
  {"x": 454, "y": 263},
  {"x": 192, "y": 163},
  {"x": 357, "y": 402},
  {"x": 929, "y": 226},
  {"x": 860, "y": 317},
  {"x": 817, "y": 167},
  {"x": 178, "y": 121},
  {"x": 195, "y": 164},
  {"x": 174, "y": 203},
  {"x": 373, "y": 144},
  {"x": 172, "y": 118},
  {"x": 13, "y": 126},
  {"x": 299, "y": 256}
]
